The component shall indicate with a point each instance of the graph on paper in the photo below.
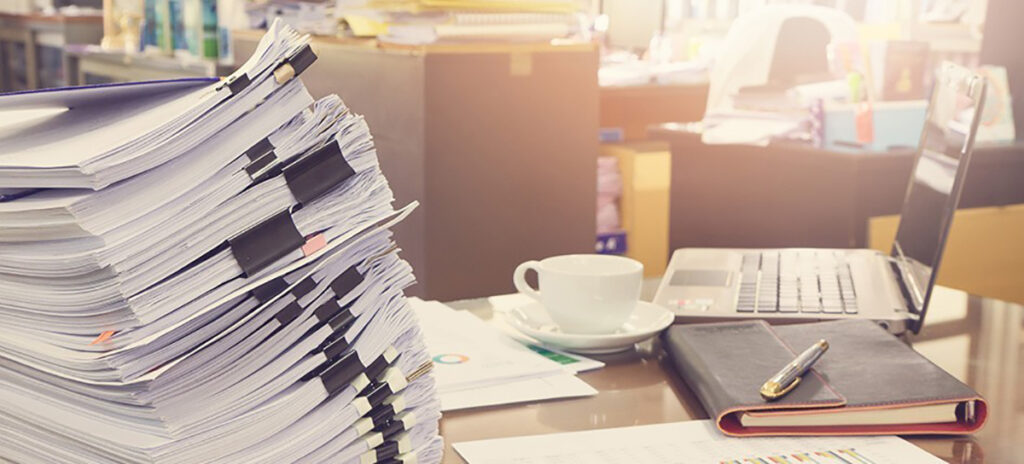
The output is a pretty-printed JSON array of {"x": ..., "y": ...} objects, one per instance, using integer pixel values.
[{"x": 833, "y": 456}]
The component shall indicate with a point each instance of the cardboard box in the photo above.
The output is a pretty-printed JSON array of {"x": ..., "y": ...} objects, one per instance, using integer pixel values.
[
  {"x": 646, "y": 174},
  {"x": 497, "y": 141}
]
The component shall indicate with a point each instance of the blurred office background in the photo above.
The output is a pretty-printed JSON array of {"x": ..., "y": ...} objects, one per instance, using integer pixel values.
[{"x": 528, "y": 128}]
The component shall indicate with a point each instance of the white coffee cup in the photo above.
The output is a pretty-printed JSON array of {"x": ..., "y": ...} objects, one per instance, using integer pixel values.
[{"x": 586, "y": 294}]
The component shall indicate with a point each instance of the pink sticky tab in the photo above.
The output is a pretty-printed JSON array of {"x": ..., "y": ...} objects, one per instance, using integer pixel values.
[{"x": 314, "y": 244}]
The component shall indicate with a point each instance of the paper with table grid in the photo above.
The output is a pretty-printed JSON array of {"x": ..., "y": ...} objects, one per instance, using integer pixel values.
[{"x": 695, "y": 442}]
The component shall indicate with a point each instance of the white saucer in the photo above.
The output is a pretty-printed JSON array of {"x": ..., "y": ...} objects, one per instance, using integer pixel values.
[{"x": 646, "y": 321}]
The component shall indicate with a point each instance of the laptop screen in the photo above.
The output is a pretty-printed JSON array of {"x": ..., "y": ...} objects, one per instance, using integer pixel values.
[{"x": 934, "y": 189}]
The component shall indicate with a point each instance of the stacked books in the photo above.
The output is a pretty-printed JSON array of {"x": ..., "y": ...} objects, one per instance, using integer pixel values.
[
  {"x": 202, "y": 271},
  {"x": 417, "y": 22}
]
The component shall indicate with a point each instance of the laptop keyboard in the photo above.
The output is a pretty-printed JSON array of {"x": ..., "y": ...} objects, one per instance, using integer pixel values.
[{"x": 796, "y": 281}]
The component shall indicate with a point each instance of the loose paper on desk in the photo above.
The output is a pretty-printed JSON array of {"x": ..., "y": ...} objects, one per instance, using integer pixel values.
[
  {"x": 476, "y": 365},
  {"x": 502, "y": 304},
  {"x": 694, "y": 442}
]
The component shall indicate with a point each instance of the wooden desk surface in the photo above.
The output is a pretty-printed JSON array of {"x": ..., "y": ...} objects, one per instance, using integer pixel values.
[{"x": 978, "y": 340}]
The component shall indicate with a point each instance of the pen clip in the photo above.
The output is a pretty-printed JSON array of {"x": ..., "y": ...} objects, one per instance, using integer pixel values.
[{"x": 771, "y": 394}]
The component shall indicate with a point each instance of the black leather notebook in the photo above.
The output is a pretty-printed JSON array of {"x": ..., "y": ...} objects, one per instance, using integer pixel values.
[{"x": 867, "y": 383}]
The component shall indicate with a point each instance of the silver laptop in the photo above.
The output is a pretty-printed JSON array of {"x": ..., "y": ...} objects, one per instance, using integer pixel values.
[{"x": 808, "y": 284}]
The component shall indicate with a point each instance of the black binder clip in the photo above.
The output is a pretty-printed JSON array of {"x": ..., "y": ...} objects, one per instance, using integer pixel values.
[
  {"x": 269, "y": 290},
  {"x": 385, "y": 405},
  {"x": 387, "y": 450},
  {"x": 346, "y": 282},
  {"x": 294, "y": 65},
  {"x": 395, "y": 429},
  {"x": 376, "y": 396},
  {"x": 288, "y": 313},
  {"x": 258, "y": 149},
  {"x": 327, "y": 311},
  {"x": 349, "y": 368},
  {"x": 263, "y": 161},
  {"x": 336, "y": 348},
  {"x": 262, "y": 245},
  {"x": 382, "y": 363},
  {"x": 318, "y": 173},
  {"x": 236, "y": 84},
  {"x": 263, "y": 168},
  {"x": 272, "y": 288},
  {"x": 343, "y": 320},
  {"x": 381, "y": 415},
  {"x": 303, "y": 288},
  {"x": 341, "y": 373}
]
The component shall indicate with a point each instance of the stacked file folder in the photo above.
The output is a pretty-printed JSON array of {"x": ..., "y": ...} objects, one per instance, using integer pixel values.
[{"x": 202, "y": 271}]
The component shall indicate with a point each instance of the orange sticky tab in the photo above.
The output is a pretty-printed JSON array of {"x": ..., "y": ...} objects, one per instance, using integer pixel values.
[
  {"x": 103, "y": 337},
  {"x": 314, "y": 244}
]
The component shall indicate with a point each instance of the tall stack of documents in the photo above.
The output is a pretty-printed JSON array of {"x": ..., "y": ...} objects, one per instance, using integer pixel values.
[
  {"x": 417, "y": 22},
  {"x": 202, "y": 271}
]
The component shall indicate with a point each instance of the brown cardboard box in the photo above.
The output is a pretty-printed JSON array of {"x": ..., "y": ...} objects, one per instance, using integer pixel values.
[
  {"x": 646, "y": 171},
  {"x": 984, "y": 254},
  {"x": 498, "y": 143}
]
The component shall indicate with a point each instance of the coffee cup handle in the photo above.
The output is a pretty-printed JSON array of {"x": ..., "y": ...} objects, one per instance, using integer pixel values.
[{"x": 519, "y": 279}]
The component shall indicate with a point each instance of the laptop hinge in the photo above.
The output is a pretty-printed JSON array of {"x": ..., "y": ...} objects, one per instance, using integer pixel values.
[{"x": 908, "y": 300}]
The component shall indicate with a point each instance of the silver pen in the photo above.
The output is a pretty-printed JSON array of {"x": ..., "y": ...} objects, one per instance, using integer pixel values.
[{"x": 787, "y": 379}]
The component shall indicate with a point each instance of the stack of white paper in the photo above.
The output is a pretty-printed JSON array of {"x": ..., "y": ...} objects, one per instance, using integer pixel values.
[
  {"x": 477, "y": 365},
  {"x": 202, "y": 271}
]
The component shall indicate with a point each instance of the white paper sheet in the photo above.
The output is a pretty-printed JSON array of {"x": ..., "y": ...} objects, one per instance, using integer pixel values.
[
  {"x": 477, "y": 365},
  {"x": 695, "y": 442},
  {"x": 556, "y": 386},
  {"x": 468, "y": 353}
]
